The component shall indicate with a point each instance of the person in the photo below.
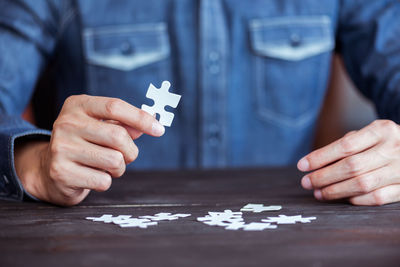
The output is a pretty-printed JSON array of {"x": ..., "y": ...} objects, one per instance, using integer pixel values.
[{"x": 252, "y": 74}]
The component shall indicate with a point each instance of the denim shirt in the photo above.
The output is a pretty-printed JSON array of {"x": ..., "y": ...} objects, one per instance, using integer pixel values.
[{"x": 252, "y": 74}]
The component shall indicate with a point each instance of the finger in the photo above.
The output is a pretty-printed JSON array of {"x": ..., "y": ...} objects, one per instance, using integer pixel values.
[
  {"x": 119, "y": 110},
  {"x": 110, "y": 135},
  {"x": 346, "y": 168},
  {"x": 102, "y": 158},
  {"x": 134, "y": 134},
  {"x": 360, "y": 185},
  {"x": 346, "y": 146},
  {"x": 83, "y": 177},
  {"x": 382, "y": 196}
]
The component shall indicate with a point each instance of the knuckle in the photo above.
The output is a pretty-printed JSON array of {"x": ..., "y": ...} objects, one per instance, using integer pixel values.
[
  {"x": 75, "y": 99},
  {"x": 58, "y": 149},
  {"x": 352, "y": 165},
  {"x": 314, "y": 179},
  {"x": 112, "y": 106},
  {"x": 376, "y": 123},
  {"x": 56, "y": 171},
  {"x": 364, "y": 184},
  {"x": 350, "y": 133},
  {"x": 71, "y": 100},
  {"x": 347, "y": 144},
  {"x": 389, "y": 126},
  {"x": 65, "y": 123},
  {"x": 118, "y": 135},
  {"x": 135, "y": 153},
  {"x": 132, "y": 154},
  {"x": 55, "y": 148},
  {"x": 328, "y": 193},
  {"x": 117, "y": 163}
]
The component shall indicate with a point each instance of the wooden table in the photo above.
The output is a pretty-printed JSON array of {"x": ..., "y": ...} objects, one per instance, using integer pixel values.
[{"x": 37, "y": 234}]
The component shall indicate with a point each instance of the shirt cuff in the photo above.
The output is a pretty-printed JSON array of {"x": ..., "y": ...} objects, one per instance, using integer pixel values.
[{"x": 10, "y": 185}]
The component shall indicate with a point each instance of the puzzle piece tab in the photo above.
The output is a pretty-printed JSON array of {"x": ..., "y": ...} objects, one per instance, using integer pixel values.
[{"x": 162, "y": 97}]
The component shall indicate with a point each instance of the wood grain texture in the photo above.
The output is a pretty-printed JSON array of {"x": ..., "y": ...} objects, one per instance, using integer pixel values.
[{"x": 38, "y": 234}]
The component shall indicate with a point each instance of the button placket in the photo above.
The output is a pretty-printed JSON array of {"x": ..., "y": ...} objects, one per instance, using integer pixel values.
[{"x": 214, "y": 53}]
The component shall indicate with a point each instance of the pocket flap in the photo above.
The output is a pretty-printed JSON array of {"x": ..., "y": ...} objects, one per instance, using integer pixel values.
[
  {"x": 291, "y": 38},
  {"x": 126, "y": 47}
]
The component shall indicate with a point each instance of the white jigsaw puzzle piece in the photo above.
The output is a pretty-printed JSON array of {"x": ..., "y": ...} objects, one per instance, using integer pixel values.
[
  {"x": 165, "y": 216},
  {"x": 162, "y": 98},
  {"x": 283, "y": 219},
  {"x": 108, "y": 218},
  {"x": 226, "y": 213},
  {"x": 235, "y": 226},
  {"x": 136, "y": 222},
  {"x": 224, "y": 218},
  {"x": 257, "y": 208},
  {"x": 256, "y": 226},
  {"x": 123, "y": 220}
]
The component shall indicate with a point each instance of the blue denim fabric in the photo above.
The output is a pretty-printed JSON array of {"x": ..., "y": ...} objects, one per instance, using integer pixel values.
[{"x": 253, "y": 74}]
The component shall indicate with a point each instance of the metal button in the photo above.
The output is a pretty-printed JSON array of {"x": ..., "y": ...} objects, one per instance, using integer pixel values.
[
  {"x": 213, "y": 56},
  {"x": 126, "y": 48},
  {"x": 213, "y": 135},
  {"x": 214, "y": 68},
  {"x": 295, "y": 40}
]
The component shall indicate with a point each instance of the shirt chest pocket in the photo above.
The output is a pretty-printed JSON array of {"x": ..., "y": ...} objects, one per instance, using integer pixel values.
[
  {"x": 122, "y": 61},
  {"x": 291, "y": 66}
]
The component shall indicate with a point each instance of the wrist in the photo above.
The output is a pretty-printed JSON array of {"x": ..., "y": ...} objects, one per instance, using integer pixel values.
[{"x": 30, "y": 166}]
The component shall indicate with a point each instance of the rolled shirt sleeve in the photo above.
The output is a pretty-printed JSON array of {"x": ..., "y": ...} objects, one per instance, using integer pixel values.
[
  {"x": 28, "y": 31},
  {"x": 368, "y": 39}
]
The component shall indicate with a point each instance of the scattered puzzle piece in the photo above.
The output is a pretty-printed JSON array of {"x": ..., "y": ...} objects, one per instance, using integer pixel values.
[
  {"x": 283, "y": 219},
  {"x": 136, "y": 222},
  {"x": 123, "y": 220},
  {"x": 257, "y": 208},
  {"x": 165, "y": 216},
  {"x": 108, "y": 218},
  {"x": 256, "y": 226},
  {"x": 162, "y": 97},
  {"x": 228, "y": 219},
  {"x": 221, "y": 218}
]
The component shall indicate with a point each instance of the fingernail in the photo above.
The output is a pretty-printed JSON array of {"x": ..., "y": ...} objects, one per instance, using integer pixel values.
[
  {"x": 318, "y": 194},
  {"x": 303, "y": 165},
  {"x": 157, "y": 129},
  {"x": 306, "y": 183}
]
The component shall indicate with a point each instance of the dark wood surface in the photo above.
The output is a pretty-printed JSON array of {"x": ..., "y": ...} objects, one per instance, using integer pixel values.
[{"x": 38, "y": 234}]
